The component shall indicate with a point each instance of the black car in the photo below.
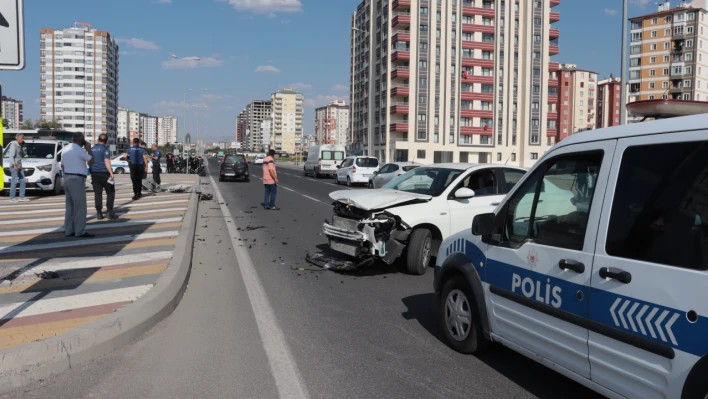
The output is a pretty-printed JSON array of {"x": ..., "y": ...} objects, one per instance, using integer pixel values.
[{"x": 234, "y": 166}]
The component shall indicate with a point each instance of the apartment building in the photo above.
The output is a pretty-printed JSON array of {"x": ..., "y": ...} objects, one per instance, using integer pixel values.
[
  {"x": 669, "y": 53},
  {"x": 166, "y": 130},
  {"x": 576, "y": 107},
  {"x": 287, "y": 121},
  {"x": 454, "y": 81},
  {"x": 609, "y": 98},
  {"x": 128, "y": 124},
  {"x": 256, "y": 111},
  {"x": 79, "y": 80},
  {"x": 241, "y": 128},
  {"x": 12, "y": 112},
  {"x": 266, "y": 130},
  {"x": 148, "y": 129},
  {"x": 332, "y": 123}
]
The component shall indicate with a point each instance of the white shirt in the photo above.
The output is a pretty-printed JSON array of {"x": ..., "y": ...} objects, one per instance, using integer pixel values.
[{"x": 74, "y": 158}]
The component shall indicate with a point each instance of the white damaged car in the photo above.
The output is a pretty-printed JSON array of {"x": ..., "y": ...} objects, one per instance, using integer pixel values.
[{"x": 410, "y": 216}]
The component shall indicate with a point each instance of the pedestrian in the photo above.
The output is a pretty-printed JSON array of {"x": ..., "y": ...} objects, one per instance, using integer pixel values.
[
  {"x": 16, "y": 153},
  {"x": 102, "y": 178},
  {"x": 156, "y": 168},
  {"x": 170, "y": 163},
  {"x": 270, "y": 182},
  {"x": 73, "y": 163},
  {"x": 137, "y": 157},
  {"x": 144, "y": 147}
]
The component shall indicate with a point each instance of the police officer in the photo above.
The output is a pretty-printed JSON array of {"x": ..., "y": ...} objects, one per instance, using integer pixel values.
[
  {"x": 137, "y": 156},
  {"x": 156, "y": 155},
  {"x": 101, "y": 173}
]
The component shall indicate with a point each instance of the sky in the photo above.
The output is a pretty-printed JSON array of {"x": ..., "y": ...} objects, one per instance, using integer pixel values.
[{"x": 252, "y": 48}]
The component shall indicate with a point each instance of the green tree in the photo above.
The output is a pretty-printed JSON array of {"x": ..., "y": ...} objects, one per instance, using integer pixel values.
[
  {"x": 27, "y": 124},
  {"x": 5, "y": 124},
  {"x": 47, "y": 125}
]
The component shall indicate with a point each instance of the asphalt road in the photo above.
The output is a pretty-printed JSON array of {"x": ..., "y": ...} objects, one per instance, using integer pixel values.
[{"x": 371, "y": 334}]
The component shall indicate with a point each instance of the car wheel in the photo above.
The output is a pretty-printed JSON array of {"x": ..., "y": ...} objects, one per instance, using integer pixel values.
[
  {"x": 119, "y": 171},
  {"x": 459, "y": 317},
  {"x": 419, "y": 251},
  {"x": 57, "y": 185},
  {"x": 349, "y": 182}
]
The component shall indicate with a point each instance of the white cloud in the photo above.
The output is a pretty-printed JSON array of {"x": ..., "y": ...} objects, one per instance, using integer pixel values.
[
  {"x": 208, "y": 62},
  {"x": 140, "y": 44},
  {"x": 610, "y": 11},
  {"x": 321, "y": 100},
  {"x": 300, "y": 86},
  {"x": 266, "y": 6},
  {"x": 639, "y": 3},
  {"x": 340, "y": 88},
  {"x": 271, "y": 15},
  {"x": 267, "y": 69}
]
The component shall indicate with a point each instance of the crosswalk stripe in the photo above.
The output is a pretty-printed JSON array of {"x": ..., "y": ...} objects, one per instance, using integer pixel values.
[
  {"x": 91, "y": 226},
  {"x": 37, "y": 204},
  {"x": 102, "y": 250},
  {"x": 91, "y": 216},
  {"x": 90, "y": 206},
  {"x": 87, "y": 242},
  {"x": 60, "y": 264},
  {"x": 102, "y": 231}
]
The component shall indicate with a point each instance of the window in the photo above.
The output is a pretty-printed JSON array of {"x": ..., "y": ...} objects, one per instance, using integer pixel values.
[
  {"x": 655, "y": 216},
  {"x": 423, "y": 28},
  {"x": 420, "y": 154},
  {"x": 678, "y": 30},
  {"x": 652, "y": 72},
  {"x": 654, "y": 33},
  {"x": 666, "y": 71},
  {"x": 483, "y": 183},
  {"x": 652, "y": 85},
  {"x": 686, "y": 83},
  {"x": 557, "y": 221},
  {"x": 652, "y": 46},
  {"x": 637, "y": 37},
  {"x": 667, "y": 46},
  {"x": 534, "y": 155},
  {"x": 652, "y": 60},
  {"x": 665, "y": 85},
  {"x": 499, "y": 156},
  {"x": 421, "y": 117},
  {"x": 689, "y": 43},
  {"x": 689, "y": 29},
  {"x": 424, "y": 10},
  {"x": 666, "y": 58},
  {"x": 423, "y": 46}
]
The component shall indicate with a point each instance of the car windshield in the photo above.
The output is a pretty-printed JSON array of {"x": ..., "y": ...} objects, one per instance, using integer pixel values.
[
  {"x": 367, "y": 162},
  {"x": 428, "y": 181},
  {"x": 36, "y": 150},
  {"x": 332, "y": 155},
  {"x": 409, "y": 168},
  {"x": 233, "y": 159}
]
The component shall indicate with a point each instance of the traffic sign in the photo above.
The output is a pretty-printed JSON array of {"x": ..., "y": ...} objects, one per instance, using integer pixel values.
[{"x": 12, "y": 35}]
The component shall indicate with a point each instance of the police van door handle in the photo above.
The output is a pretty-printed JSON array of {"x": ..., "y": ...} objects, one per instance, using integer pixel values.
[
  {"x": 620, "y": 275},
  {"x": 568, "y": 264}
]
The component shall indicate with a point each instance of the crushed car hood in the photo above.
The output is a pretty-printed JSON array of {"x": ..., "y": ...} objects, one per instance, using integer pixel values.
[{"x": 369, "y": 200}]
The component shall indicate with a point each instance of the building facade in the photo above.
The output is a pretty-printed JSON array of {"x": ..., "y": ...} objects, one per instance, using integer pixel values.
[
  {"x": 256, "y": 111},
  {"x": 332, "y": 123},
  {"x": 12, "y": 112},
  {"x": 668, "y": 59},
  {"x": 266, "y": 131},
  {"x": 576, "y": 107},
  {"x": 453, "y": 81},
  {"x": 79, "y": 80},
  {"x": 148, "y": 129},
  {"x": 308, "y": 141},
  {"x": 287, "y": 121},
  {"x": 166, "y": 130},
  {"x": 609, "y": 98},
  {"x": 241, "y": 128}
]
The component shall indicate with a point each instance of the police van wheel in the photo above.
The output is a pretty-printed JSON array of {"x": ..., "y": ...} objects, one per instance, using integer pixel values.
[
  {"x": 460, "y": 318},
  {"x": 57, "y": 185},
  {"x": 119, "y": 171},
  {"x": 696, "y": 385}
]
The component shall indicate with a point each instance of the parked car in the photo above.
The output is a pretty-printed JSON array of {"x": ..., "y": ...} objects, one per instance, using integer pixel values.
[
  {"x": 595, "y": 265},
  {"x": 411, "y": 215},
  {"x": 322, "y": 160},
  {"x": 356, "y": 170},
  {"x": 120, "y": 166},
  {"x": 41, "y": 166},
  {"x": 234, "y": 166},
  {"x": 259, "y": 159},
  {"x": 389, "y": 172}
]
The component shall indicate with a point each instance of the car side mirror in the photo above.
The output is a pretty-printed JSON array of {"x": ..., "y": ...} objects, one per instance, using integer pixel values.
[
  {"x": 376, "y": 173},
  {"x": 339, "y": 166},
  {"x": 483, "y": 225},
  {"x": 464, "y": 193}
]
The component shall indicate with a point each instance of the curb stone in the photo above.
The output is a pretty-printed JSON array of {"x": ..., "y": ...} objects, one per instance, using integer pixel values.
[{"x": 25, "y": 364}]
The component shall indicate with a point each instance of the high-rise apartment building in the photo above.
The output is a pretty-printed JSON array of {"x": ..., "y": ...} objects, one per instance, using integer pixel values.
[
  {"x": 256, "y": 111},
  {"x": 148, "y": 129},
  {"x": 609, "y": 98},
  {"x": 166, "y": 130},
  {"x": 266, "y": 133},
  {"x": 287, "y": 121},
  {"x": 241, "y": 128},
  {"x": 12, "y": 112},
  {"x": 453, "y": 81},
  {"x": 332, "y": 123},
  {"x": 669, "y": 53},
  {"x": 576, "y": 107},
  {"x": 79, "y": 80}
]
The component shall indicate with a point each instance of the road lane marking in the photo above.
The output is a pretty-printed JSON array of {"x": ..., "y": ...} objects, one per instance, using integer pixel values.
[
  {"x": 306, "y": 196},
  {"x": 285, "y": 372}
]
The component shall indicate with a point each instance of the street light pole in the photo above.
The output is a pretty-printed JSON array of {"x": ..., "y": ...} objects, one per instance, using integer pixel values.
[
  {"x": 184, "y": 105},
  {"x": 623, "y": 79}
]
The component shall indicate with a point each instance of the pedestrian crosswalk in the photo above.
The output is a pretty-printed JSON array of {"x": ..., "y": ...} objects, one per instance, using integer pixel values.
[{"x": 50, "y": 283}]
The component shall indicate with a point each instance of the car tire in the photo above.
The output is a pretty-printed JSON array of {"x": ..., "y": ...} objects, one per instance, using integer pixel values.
[
  {"x": 419, "y": 251},
  {"x": 57, "y": 185},
  {"x": 119, "y": 171},
  {"x": 349, "y": 182},
  {"x": 457, "y": 305}
]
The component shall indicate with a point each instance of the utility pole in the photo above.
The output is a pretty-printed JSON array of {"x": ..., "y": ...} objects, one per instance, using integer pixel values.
[{"x": 623, "y": 79}]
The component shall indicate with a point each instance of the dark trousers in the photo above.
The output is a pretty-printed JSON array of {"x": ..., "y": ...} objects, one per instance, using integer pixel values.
[
  {"x": 100, "y": 183},
  {"x": 271, "y": 190},
  {"x": 170, "y": 167},
  {"x": 136, "y": 176},
  {"x": 156, "y": 173}
]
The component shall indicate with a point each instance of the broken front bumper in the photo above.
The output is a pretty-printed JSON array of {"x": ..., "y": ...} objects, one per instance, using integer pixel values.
[{"x": 358, "y": 238}]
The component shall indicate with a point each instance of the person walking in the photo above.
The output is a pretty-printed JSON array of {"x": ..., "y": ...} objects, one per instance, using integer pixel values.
[
  {"x": 16, "y": 154},
  {"x": 73, "y": 163},
  {"x": 137, "y": 157},
  {"x": 156, "y": 169},
  {"x": 270, "y": 182},
  {"x": 170, "y": 162},
  {"x": 102, "y": 178}
]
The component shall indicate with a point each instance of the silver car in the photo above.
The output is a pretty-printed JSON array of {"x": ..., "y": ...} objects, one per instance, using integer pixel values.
[{"x": 389, "y": 172}]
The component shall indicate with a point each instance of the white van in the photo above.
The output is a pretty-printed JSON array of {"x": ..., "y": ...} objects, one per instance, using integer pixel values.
[
  {"x": 323, "y": 160},
  {"x": 41, "y": 166},
  {"x": 595, "y": 264}
]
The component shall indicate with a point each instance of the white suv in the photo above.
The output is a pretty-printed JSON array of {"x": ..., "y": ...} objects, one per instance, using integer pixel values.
[
  {"x": 596, "y": 264},
  {"x": 356, "y": 170},
  {"x": 41, "y": 166}
]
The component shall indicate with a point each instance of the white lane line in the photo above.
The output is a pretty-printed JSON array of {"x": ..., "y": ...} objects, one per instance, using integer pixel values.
[
  {"x": 59, "y": 264},
  {"x": 23, "y": 309},
  {"x": 89, "y": 216},
  {"x": 285, "y": 372},
  {"x": 314, "y": 199},
  {"x": 91, "y": 226},
  {"x": 8, "y": 249},
  {"x": 90, "y": 206},
  {"x": 89, "y": 202},
  {"x": 306, "y": 196}
]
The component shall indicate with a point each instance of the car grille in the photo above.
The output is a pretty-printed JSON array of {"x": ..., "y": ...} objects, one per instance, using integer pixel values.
[{"x": 27, "y": 172}]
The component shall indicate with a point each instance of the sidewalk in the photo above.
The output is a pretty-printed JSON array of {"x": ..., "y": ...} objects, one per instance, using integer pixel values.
[{"x": 50, "y": 284}]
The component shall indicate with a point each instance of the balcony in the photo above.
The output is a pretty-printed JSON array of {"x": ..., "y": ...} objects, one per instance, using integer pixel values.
[
  {"x": 552, "y": 132},
  {"x": 478, "y": 131},
  {"x": 399, "y": 109},
  {"x": 480, "y": 62},
  {"x": 483, "y": 11},
  {"x": 472, "y": 28},
  {"x": 554, "y": 33},
  {"x": 555, "y": 17},
  {"x": 472, "y": 96},
  {"x": 553, "y": 82},
  {"x": 553, "y": 66},
  {"x": 401, "y": 55},
  {"x": 401, "y": 19},
  {"x": 401, "y": 71},
  {"x": 402, "y": 36},
  {"x": 552, "y": 115},
  {"x": 399, "y": 127},
  {"x": 476, "y": 113},
  {"x": 400, "y": 90},
  {"x": 555, "y": 3},
  {"x": 489, "y": 80},
  {"x": 553, "y": 50},
  {"x": 400, "y": 3},
  {"x": 485, "y": 46}
]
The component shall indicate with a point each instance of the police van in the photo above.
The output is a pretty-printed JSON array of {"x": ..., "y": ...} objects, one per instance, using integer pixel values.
[
  {"x": 596, "y": 263},
  {"x": 41, "y": 165}
]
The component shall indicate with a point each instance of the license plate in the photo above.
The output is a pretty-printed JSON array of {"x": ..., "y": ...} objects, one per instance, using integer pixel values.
[
  {"x": 367, "y": 175},
  {"x": 229, "y": 174}
]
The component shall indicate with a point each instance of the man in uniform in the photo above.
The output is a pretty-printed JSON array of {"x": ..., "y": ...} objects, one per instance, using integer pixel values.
[
  {"x": 137, "y": 156},
  {"x": 156, "y": 155},
  {"x": 102, "y": 178}
]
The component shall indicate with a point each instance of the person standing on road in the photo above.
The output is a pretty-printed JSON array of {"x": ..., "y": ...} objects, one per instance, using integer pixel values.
[
  {"x": 73, "y": 163},
  {"x": 102, "y": 178},
  {"x": 16, "y": 173},
  {"x": 170, "y": 162},
  {"x": 270, "y": 182},
  {"x": 138, "y": 165},
  {"x": 156, "y": 169}
]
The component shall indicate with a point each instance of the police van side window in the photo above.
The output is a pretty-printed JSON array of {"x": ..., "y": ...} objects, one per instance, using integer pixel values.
[
  {"x": 660, "y": 208},
  {"x": 552, "y": 207}
]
